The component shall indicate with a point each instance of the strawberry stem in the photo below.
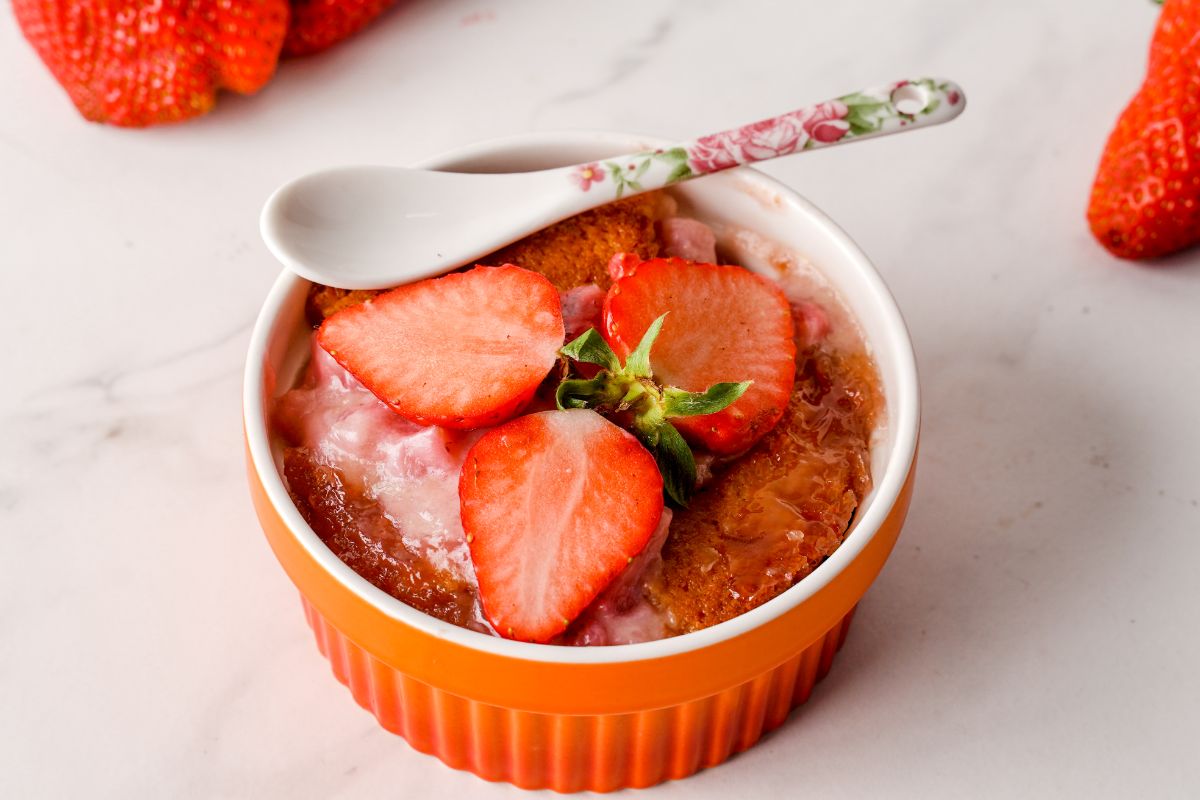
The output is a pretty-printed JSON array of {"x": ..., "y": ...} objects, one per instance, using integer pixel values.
[{"x": 631, "y": 391}]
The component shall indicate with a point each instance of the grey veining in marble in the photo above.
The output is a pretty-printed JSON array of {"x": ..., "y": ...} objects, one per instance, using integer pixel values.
[{"x": 1033, "y": 633}]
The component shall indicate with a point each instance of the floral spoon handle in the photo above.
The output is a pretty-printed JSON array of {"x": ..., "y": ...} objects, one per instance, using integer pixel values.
[{"x": 893, "y": 107}]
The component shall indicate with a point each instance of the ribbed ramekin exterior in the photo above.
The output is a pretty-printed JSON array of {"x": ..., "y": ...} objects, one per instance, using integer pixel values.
[
  {"x": 572, "y": 726},
  {"x": 571, "y": 753}
]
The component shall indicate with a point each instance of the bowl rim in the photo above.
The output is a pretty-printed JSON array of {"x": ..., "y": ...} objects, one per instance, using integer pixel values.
[{"x": 905, "y": 422}]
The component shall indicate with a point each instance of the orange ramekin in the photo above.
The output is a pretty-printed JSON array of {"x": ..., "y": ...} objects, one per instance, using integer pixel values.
[{"x": 596, "y": 718}]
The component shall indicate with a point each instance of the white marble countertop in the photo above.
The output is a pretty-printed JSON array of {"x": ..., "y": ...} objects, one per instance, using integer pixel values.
[{"x": 1033, "y": 635}]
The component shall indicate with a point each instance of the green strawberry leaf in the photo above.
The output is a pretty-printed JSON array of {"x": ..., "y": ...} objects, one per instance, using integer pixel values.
[
  {"x": 584, "y": 393},
  {"x": 630, "y": 394},
  {"x": 589, "y": 347},
  {"x": 676, "y": 463},
  {"x": 638, "y": 363},
  {"x": 678, "y": 403}
]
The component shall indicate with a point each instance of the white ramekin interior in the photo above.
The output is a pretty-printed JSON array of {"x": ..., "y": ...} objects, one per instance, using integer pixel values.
[{"x": 742, "y": 197}]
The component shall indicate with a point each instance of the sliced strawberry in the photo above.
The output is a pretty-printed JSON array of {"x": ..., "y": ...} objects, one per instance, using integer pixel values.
[
  {"x": 461, "y": 351},
  {"x": 723, "y": 323},
  {"x": 623, "y": 264},
  {"x": 554, "y": 505}
]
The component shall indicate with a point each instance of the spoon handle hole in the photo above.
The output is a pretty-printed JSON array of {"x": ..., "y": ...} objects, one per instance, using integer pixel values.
[{"x": 910, "y": 99}]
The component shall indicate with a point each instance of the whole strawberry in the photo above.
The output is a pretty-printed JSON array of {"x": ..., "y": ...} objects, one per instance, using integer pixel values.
[
  {"x": 320, "y": 24},
  {"x": 135, "y": 63},
  {"x": 1145, "y": 202}
]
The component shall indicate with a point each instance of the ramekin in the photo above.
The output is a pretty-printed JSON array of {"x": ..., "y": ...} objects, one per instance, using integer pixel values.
[{"x": 596, "y": 718}]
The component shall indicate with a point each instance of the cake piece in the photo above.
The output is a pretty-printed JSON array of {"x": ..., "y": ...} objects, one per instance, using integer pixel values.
[
  {"x": 355, "y": 528},
  {"x": 576, "y": 251},
  {"x": 325, "y": 301},
  {"x": 772, "y": 515}
]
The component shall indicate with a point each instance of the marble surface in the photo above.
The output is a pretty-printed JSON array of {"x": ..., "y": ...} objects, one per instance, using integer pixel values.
[{"x": 1033, "y": 634}]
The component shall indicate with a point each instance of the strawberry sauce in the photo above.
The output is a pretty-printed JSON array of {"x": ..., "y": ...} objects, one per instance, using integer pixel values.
[{"x": 382, "y": 493}]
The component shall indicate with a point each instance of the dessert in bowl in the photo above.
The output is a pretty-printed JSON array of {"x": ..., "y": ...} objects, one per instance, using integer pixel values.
[{"x": 718, "y": 621}]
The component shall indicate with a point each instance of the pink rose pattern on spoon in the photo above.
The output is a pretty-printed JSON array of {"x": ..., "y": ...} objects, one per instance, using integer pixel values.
[{"x": 861, "y": 115}]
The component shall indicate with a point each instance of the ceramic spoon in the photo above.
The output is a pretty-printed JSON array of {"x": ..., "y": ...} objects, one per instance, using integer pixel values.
[{"x": 374, "y": 227}]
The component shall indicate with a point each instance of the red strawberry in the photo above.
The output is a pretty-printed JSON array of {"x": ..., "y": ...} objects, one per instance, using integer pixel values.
[
  {"x": 319, "y": 24},
  {"x": 1145, "y": 202},
  {"x": 461, "y": 351},
  {"x": 622, "y": 264},
  {"x": 134, "y": 63},
  {"x": 554, "y": 505},
  {"x": 723, "y": 324}
]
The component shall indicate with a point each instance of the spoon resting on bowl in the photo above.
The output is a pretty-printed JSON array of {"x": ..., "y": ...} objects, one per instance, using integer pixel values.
[{"x": 371, "y": 227}]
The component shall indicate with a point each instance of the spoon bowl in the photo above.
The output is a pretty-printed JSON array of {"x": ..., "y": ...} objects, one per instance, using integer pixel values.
[{"x": 367, "y": 227}]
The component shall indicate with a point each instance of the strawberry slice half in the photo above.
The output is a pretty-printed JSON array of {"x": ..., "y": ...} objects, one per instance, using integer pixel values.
[
  {"x": 461, "y": 351},
  {"x": 554, "y": 505},
  {"x": 724, "y": 323}
]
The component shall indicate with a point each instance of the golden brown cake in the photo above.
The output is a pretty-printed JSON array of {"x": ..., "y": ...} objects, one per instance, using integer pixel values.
[
  {"x": 771, "y": 516},
  {"x": 576, "y": 251}
]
